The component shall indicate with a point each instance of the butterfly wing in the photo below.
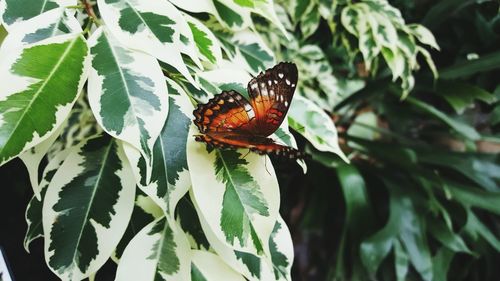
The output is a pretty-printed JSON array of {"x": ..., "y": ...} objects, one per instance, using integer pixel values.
[
  {"x": 271, "y": 93},
  {"x": 260, "y": 145},
  {"x": 225, "y": 113},
  {"x": 228, "y": 120}
]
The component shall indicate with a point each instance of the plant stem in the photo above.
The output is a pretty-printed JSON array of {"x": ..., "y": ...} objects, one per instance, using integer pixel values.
[{"x": 90, "y": 11}]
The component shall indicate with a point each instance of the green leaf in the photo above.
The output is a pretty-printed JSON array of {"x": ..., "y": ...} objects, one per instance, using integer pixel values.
[
  {"x": 475, "y": 228},
  {"x": 444, "y": 9},
  {"x": 406, "y": 225},
  {"x": 441, "y": 264},
  {"x": 244, "y": 3},
  {"x": 400, "y": 261},
  {"x": 485, "y": 63},
  {"x": 462, "y": 95},
  {"x": 87, "y": 208},
  {"x": 412, "y": 234},
  {"x": 480, "y": 168},
  {"x": 447, "y": 237},
  {"x": 204, "y": 43},
  {"x": 474, "y": 197},
  {"x": 36, "y": 103},
  {"x": 462, "y": 128},
  {"x": 356, "y": 197}
]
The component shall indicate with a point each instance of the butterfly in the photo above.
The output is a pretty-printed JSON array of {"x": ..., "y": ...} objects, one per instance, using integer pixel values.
[{"x": 229, "y": 120}]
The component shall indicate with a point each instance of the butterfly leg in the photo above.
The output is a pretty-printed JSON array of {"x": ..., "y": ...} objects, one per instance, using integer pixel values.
[
  {"x": 247, "y": 153},
  {"x": 265, "y": 164}
]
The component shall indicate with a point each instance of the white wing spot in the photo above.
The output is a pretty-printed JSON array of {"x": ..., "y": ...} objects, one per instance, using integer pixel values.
[
  {"x": 263, "y": 91},
  {"x": 286, "y": 103},
  {"x": 230, "y": 100},
  {"x": 275, "y": 81},
  {"x": 254, "y": 86},
  {"x": 287, "y": 81},
  {"x": 262, "y": 85},
  {"x": 293, "y": 85},
  {"x": 281, "y": 75},
  {"x": 269, "y": 82}
]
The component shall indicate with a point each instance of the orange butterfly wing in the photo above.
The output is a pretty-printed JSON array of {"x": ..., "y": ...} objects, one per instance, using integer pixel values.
[
  {"x": 271, "y": 93},
  {"x": 228, "y": 120}
]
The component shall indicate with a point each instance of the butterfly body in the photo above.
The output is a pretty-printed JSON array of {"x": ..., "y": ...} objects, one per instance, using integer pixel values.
[{"x": 228, "y": 120}]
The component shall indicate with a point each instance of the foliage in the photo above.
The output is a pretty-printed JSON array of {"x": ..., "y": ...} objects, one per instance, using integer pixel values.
[
  {"x": 100, "y": 99},
  {"x": 420, "y": 198}
]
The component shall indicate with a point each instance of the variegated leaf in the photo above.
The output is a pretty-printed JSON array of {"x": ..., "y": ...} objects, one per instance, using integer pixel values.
[
  {"x": 148, "y": 26},
  {"x": 170, "y": 179},
  {"x": 423, "y": 35},
  {"x": 35, "y": 102},
  {"x": 160, "y": 251},
  {"x": 145, "y": 212},
  {"x": 49, "y": 24},
  {"x": 242, "y": 202},
  {"x": 315, "y": 125},
  {"x": 195, "y": 6},
  {"x": 281, "y": 247},
  {"x": 228, "y": 77},
  {"x": 207, "y": 266},
  {"x": 33, "y": 213},
  {"x": 283, "y": 135},
  {"x": 310, "y": 20},
  {"x": 232, "y": 15},
  {"x": 190, "y": 223},
  {"x": 265, "y": 8},
  {"x": 208, "y": 46},
  {"x": 252, "y": 51},
  {"x": 396, "y": 61},
  {"x": 13, "y": 12},
  {"x": 32, "y": 158},
  {"x": 383, "y": 30},
  {"x": 127, "y": 93},
  {"x": 87, "y": 208},
  {"x": 79, "y": 126},
  {"x": 251, "y": 265}
]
